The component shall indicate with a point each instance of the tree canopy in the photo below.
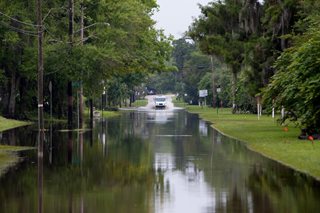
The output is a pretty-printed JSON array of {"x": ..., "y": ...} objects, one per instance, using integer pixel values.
[
  {"x": 296, "y": 84},
  {"x": 119, "y": 39},
  {"x": 269, "y": 44}
]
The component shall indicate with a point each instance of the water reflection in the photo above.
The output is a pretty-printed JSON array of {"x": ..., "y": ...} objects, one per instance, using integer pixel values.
[
  {"x": 203, "y": 128},
  {"x": 180, "y": 191},
  {"x": 139, "y": 163},
  {"x": 160, "y": 116},
  {"x": 40, "y": 178}
]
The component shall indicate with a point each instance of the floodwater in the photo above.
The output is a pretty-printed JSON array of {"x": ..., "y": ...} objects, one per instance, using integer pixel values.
[{"x": 155, "y": 161}]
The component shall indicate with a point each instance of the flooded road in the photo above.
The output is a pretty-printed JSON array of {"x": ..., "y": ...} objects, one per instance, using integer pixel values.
[{"x": 150, "y": 161}]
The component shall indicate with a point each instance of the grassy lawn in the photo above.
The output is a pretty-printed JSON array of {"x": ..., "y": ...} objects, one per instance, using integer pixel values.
[
  {"x": 6, "y": 124},
  {"x": 140, "y": 103},
  {"x": 106, "y": 114},
  {"x": 265, "y": 136}
]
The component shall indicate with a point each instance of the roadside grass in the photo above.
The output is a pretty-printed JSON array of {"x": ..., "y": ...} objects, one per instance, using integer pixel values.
[
  {"x": 267, "y": 137},
  {"x": 179, "y": 103},
  {"x": 6, "y": 124},
  {"x": 109, "y": 114},
  {"x": 140, "y": 103},
  {"x": 33, "y": 116},
  {"x": 106, "y": 113}
]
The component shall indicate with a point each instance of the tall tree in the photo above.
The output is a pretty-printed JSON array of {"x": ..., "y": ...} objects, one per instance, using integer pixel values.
[
  {"x": 218, "y": 33},
  {"x": 299, "y": 93},
  {"x": 119, "y": 38},
  {"x": 17, "y": 53}
]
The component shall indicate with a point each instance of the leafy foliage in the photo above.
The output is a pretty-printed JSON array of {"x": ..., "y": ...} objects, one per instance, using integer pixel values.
[
  {"x": 119, "y": 40},
  {"x": 296, "y": 85},
  {"x": 218, "y": 33}
]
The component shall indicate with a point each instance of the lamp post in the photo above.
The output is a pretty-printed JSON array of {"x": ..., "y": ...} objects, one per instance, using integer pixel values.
[{"x": 218, "y": 91}]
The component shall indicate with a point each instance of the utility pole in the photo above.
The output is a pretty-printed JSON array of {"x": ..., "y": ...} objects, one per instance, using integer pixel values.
[
  {"x": 70, "y": 101},
  {"x": 40, "y": 105},
  {"x": 81, "y": 86},
  {"x": 214, "y": 92}
]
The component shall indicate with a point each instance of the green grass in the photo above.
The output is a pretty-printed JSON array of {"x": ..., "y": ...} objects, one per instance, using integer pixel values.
[
  {"x": 106, "y": 114},
  {"x": 267, "y": 137},
  {"x": 109, "y": 114},
  {"x": 140, "y": 103},
  {"x": 6, "y": 124},
  {"x": 179, "y": 103}
]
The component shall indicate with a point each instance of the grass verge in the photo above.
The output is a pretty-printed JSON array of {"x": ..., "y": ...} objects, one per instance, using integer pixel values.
[
  {"x": 106, "y": 114},
  {"x": 6, "y": 124},
  {"x": 140, "y": 103},
  {"x": 267, "y": 137}
]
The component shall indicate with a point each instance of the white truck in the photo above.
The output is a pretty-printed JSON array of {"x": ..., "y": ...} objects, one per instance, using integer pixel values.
[{"x": 160, "y": 102}]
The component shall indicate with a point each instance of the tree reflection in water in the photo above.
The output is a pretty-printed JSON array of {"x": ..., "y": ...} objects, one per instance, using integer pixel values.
[{"x": 139, "y": 163}]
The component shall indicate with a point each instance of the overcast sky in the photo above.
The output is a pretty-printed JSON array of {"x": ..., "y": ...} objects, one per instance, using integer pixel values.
[{"x": 175, "y": 16}]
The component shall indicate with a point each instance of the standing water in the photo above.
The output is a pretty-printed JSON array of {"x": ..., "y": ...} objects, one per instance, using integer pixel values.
[{"x": 156, "y": 161}]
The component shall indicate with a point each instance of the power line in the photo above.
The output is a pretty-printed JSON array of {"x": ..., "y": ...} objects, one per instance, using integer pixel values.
[
  {"x": 26, "y": 32},
  {"x": 54, "y": 37},
  {"x": 51, "y": 34},
  {"x": 52, "y": 9},
  {"x": 91, "y": 25},
  {"x": 16, "y": 20}
]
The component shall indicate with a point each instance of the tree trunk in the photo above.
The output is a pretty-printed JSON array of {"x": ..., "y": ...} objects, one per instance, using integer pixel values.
[
  {"x": 283, "y": 44},
  {"x": 132, "y": 98},
  {"x": 71, "y": 18},
  {"x": 91, "y": 112},
  {"x": 22, "y": 105},
  {"x": 81, "y": 107},
  {"x": 70, "y": 105},
  {"x": 81, "y": 84},
  {"x": 14, "y": 84}
]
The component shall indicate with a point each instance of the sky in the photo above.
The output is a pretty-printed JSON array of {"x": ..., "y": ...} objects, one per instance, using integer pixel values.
[{"x": 175, "y": 16}]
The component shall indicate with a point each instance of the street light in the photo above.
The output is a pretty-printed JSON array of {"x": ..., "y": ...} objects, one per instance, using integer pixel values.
[{"x": 218, "y": 91}]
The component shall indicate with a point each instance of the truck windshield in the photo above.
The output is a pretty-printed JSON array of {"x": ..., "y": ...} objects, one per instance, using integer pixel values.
[{"x": 160, "y": 99}]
